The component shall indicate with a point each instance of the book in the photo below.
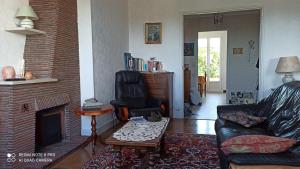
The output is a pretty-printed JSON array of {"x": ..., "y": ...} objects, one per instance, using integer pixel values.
[
  {"x": 91, "y": 105},
  {"x": 127, "y": 57},
  {"x": 130, "y": 64},
  {"x": 91, "y": 108},
  {"x": 134, "y": 64},
  {"x": 138, "y": 120}
]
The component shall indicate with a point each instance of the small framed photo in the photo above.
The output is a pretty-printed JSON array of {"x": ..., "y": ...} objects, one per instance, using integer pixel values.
[
  {"x": 153, "y": 33},
  {"x": 188, "y": 49}
]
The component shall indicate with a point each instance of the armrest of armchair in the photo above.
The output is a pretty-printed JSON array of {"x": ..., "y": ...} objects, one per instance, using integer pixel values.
[
  {"x": 118, "y": 103},
  {"x": 154, "y": 102},
  {"x": 248, "y": 108},
  {"x": 157, "y": 102},
  {"x": 121, "y": 110}
]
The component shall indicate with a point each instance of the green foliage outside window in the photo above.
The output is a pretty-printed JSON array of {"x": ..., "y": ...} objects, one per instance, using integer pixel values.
[
  {"x": 202, "y": 61},
  {"x": 212, "y": 70}
]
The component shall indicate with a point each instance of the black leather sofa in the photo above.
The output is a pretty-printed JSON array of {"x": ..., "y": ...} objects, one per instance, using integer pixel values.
[{"x": 282, "y": 109}]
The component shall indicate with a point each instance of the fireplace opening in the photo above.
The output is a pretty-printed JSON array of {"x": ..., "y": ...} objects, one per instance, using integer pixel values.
[{"x": 49, "y": 127}]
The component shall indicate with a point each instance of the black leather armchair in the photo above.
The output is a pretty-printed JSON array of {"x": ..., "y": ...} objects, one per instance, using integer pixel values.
[
  {"x": 132, "y": 98},
  {"x": 283, "y": 118}
]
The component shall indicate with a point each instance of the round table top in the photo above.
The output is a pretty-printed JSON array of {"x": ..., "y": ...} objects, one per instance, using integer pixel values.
[{"x": 94, "y": 112}]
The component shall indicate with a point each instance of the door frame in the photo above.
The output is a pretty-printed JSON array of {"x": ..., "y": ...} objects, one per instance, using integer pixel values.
[{"x": 222, "y": 10}]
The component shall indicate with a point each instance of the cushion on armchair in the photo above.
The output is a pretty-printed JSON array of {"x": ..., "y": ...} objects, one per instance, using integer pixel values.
[
  {"x": 256, "y": 144},
  {"x": 150, "y": 114}
]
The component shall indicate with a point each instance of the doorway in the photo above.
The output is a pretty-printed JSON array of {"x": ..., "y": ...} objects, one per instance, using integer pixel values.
[
  {"x": 212, "y": 59},
  {"x": 227, "y": 52}
]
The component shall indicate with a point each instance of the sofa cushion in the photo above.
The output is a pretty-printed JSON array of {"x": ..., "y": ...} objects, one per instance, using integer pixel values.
[
  {"x": 285, "y": 158},
  {"x": 242, "y": 118},
  {"x": 256, "y": 144},
  {"x": 221, "y": 123},
  {"x": 227, "y": 133}
]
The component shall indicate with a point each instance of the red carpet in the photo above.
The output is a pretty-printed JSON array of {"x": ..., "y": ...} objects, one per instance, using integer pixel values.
[{"x": 183, "y": 151}]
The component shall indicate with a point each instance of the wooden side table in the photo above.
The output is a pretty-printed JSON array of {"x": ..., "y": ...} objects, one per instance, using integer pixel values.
[{"x": 93, "y": 113}]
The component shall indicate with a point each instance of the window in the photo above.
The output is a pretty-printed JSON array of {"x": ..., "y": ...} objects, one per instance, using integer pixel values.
[{"x": 209, "y": 50}]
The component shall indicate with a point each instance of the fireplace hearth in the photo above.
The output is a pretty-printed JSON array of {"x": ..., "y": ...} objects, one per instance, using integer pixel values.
[
  {"x": 52, "y": 120},
  {"x": 49, "y": 124}
]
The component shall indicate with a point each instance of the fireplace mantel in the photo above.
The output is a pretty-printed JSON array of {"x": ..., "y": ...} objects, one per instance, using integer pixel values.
[{"x": 33, "y": 81}]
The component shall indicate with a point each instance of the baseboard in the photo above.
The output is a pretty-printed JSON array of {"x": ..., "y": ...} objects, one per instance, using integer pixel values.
[
  {"x": 85, "y": 132},
  {"x": 107, "y": 125},
  {"x": 100, "y": 127}
]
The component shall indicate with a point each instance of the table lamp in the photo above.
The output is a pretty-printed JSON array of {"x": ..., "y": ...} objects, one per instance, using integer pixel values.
[
  {"x": 288, "y": 65},
  {"x": 26, "y": 14}
]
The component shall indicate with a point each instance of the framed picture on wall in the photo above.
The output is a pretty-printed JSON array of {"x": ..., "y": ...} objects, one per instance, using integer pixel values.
[
  {"x": 153, "y": 33},
  {"x": 188, "y": 49}
]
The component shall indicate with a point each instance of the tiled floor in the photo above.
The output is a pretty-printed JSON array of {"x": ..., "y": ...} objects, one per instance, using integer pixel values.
[
  {"x": 79, "y": 157},
  {"x": 208, "y": 109}
]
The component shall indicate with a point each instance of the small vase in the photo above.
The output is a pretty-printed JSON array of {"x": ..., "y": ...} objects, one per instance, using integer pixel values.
[{"x": 28, "y": 75}]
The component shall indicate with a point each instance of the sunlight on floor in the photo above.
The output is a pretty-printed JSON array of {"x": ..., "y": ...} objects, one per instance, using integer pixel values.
[
  {"x": 208, "y": 109},
  {"x": 205, "y": 127}
]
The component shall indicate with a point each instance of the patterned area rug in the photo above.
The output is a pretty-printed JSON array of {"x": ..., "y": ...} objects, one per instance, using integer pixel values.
[{"x": 183, "y": 151}]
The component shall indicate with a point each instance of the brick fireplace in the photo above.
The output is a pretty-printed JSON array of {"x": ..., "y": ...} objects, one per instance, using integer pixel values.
[
  {"x": 54, "y": 55},
  {"x": 48, "y": 128},
  {"x": 52, "y": 120}
]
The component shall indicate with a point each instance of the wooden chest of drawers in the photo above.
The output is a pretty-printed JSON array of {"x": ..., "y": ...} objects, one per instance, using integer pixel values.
[{"x": 160, "y": 85}]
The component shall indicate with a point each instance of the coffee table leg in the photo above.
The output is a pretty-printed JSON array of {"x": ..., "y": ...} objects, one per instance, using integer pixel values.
[
  {"x": 162, "y": 146},
  {"x": 118, "y": 159},
  {"x": 151, "y": 159},
  {"x": 94, "y": 133}
]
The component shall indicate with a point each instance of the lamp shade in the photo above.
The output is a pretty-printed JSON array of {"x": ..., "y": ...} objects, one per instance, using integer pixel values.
[
  {"x": 26, "y": 12},
  {"x": 288, "y": 64}
]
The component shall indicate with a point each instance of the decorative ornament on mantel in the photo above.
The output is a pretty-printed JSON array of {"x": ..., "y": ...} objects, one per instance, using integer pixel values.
[
  {"x": 21, "y": 72},
  {"x": 8, "y": 72},
  {"x": 28, "y": 76},
  {"x": 26, "y": 14}
]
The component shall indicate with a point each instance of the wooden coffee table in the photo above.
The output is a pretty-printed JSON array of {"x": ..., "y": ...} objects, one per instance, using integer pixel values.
[{"x": 150, "y": 147}]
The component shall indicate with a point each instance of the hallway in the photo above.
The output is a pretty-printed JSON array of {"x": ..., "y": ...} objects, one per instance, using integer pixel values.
[{"x": 208, "y": 109}]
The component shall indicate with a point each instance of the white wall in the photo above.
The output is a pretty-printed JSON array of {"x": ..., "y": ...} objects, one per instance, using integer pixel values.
[
  {"x": 103, "y": 38},
  {"x": 11, "y": 45},
  {"x": 110, "y": 41},
  {"x": 85, "y": 58},
  {"x": 170, "y": 51},
  {"x": 280, "y": 34},
  {"x": 281, "y": 37}
]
